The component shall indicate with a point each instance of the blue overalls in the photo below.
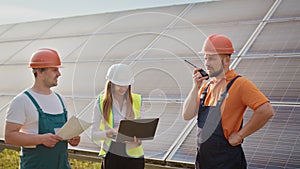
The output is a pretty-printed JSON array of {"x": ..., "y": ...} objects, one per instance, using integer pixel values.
[
  {"x": 43, "y": 157},
  {"x": 214, "y": 150}
]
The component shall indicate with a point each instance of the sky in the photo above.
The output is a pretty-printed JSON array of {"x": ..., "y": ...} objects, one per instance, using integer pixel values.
[{"x": 15, "y": 11}]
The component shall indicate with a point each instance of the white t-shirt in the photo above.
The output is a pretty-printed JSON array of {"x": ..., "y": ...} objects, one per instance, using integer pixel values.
[{"x": 22, "y": 110}]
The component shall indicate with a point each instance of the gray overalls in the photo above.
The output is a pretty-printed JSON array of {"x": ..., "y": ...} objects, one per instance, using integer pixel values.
[{"x": 214, "y": 150}]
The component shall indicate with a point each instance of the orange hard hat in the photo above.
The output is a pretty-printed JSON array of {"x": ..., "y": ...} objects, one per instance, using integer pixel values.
[
  {"x": 217, "y": 44},
  {"x": 44, "y": 58}
]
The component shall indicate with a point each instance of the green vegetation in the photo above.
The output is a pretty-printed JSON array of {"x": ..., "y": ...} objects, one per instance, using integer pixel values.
[
  {"x": 9, "y": 159},
  {"x": 80, "y": 164}
]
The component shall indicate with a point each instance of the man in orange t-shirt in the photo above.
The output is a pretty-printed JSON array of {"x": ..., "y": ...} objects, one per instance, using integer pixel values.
[{"x": 219, "y": 105}]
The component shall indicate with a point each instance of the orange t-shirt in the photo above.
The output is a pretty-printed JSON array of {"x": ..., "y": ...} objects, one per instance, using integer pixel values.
[{"x": 242, "y": 94}]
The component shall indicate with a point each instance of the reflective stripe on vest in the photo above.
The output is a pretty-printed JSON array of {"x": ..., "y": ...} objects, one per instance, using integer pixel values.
[{"x": 132, "y": 150}]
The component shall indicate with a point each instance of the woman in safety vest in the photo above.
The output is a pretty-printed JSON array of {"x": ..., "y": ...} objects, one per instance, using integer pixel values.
[{"x": 115, "y": 104}]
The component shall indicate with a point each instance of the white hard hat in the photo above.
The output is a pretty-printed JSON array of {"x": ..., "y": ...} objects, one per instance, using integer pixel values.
[{"x": 120, "y": 74}]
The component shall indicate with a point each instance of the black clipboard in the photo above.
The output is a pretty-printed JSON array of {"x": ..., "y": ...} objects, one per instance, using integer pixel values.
[{"x": 142, "y": 129}]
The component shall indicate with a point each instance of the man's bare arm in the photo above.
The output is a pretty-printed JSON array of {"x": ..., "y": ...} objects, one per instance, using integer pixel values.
[{"x": 15, "y": 137}]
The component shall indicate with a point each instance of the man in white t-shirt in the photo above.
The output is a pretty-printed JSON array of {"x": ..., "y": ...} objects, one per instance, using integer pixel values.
[{"x": 34, "y": 114}]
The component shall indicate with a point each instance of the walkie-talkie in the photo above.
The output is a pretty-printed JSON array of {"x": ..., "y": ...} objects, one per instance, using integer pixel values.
[{"x": 202, "y": 72}]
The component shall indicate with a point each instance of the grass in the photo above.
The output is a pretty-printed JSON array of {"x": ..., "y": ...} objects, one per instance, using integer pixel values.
[{"x": 9, "y": 159}]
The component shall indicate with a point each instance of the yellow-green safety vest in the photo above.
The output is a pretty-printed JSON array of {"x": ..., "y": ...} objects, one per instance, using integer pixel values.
[{"x": 134, "y": 151}]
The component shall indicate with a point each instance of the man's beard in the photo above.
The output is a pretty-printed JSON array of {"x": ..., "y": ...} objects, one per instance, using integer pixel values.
[{"x": 216, "y": 73}]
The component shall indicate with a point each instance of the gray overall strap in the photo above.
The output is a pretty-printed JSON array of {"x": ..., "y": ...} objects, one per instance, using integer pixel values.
[
  {"x": 213, "y": 117},
  {"x": 223, "y": 95}
]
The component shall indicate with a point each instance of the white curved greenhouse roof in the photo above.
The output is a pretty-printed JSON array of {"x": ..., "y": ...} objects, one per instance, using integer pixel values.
[{"x": 155, "y": 42}]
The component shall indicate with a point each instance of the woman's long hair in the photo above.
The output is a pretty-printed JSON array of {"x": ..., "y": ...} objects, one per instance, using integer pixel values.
[{"x": 108, "y": 101}]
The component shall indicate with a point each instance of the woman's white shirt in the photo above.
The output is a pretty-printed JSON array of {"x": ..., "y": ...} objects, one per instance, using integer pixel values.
[{"x": 119, "y": 114}]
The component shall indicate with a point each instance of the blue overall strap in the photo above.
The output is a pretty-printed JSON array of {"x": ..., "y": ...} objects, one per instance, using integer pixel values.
[
  {"x": 33, "y": 101},
  {"x": 231, "y": 82},
  {"x": 223, "y": 95},
  {"x": 203, "y": 95},
  {"x": 202, "y": 116},
  {"x": 228, "y": 87}
]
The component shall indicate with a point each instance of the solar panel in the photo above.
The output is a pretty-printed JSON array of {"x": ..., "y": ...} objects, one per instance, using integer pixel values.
[
  {"x": 156, "y": 48},
  {"x": 278, "y": 37},
  {"x": 277, "y": 77},
  {"x": 277, "y": 144}
]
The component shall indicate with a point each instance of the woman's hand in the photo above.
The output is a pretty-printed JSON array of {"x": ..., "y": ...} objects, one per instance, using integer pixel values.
[
  {"x": 111, "y": 133},
  {"x": 134, "y": 141}
]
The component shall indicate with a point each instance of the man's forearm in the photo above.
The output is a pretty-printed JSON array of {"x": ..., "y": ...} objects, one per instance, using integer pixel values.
[
  {"x": 190, "y": 105},
  {"x": 259, "y": 118},
  {"x": 22, "y": 139}
]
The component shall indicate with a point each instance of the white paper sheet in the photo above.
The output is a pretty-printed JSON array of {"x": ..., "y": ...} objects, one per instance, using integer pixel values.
[{"x": 73, "y": 127}]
